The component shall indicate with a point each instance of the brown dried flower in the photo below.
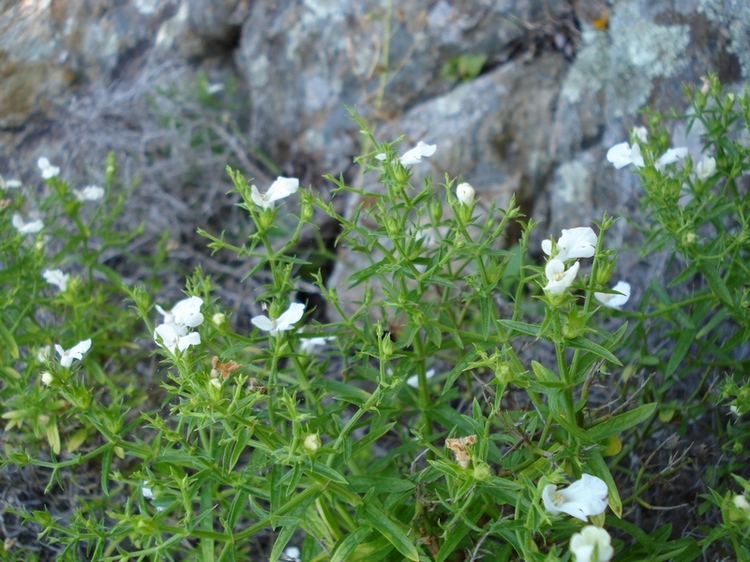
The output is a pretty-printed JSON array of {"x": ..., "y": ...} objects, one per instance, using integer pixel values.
[
  {"x": 223, "y": 369},
  {"x": 458, "y": 446}
]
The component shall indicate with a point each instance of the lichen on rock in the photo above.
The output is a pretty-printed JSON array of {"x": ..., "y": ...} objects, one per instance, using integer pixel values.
[
  {"x": 627, "y": 58},
  {"x": 733, "y": 15}
]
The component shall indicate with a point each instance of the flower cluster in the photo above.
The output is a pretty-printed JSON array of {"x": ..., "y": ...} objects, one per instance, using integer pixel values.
[
  {"x": 89, "y": 193},
  {"x": 48, "y": 170},
  {"x": 574, "y": 243},
  {"x": 623, "y": 154},
  {"x": 5, "y": 185},
  {"x": 31, "y": 227},
  {"x": 174, "y": 333}
]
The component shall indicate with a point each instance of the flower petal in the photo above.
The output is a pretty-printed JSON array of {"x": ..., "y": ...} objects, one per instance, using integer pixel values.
[
  {"x": 263, "y": 323},
  {"x": 414, "y": 156},
  {"x": 287, "y": 320}
]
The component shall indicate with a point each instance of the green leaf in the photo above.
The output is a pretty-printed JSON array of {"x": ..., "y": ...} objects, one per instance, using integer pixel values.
[
  {"x": 588, "y": 345},
  {"x": 327, "y": 472},
  {"x": 599, "y": 468},
  {"x": 344, "y": 549},
  {"x": 390, "y": 530},
  {"x": 460, "y": 367},
  {"x": 543, "y": 373},
  {"x": 711, "y": 272},
  {"x": 487, "y": 309},
  {"x": 621, "y": 422},
  {"x": 521, "y": 328},
  {"x": 346, "y": 392},
  {"x": 9, "y": 342},
  {"x": 687, "y": 337},
  {"x": 382, "y": 484},
  {"x": 106, "y": 464}
]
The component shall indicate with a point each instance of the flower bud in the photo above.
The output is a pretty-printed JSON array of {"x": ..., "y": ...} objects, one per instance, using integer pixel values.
[
  {"x": 312, "y": 442},
  {"x": 306, "y": 212},
  {"x": 465, "y": 194},
  {"x": 392, "y": 227},
  {"x": 219, "y": 320},
  {"x": 386, "y": 345},
  {"x": 605, "y": 270},
  {"x": 689, "y": 238},
  {"x": 503, "y": 373},
  {"x": 436, "y": 210},
  {"x": 214, "y": 389},
  {"x": 482, "y": 471},
  {"x": 47, "y": 378}
]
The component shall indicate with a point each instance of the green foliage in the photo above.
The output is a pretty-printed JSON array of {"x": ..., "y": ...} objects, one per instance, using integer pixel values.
[
  {"x": 699, "y": 212},
  {"x": 431, "y": 415},
  {"x": 463, "y": 67}
]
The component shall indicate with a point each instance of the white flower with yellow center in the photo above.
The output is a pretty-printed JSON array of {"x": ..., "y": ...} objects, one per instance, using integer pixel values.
[
  {"x": 584, "y": 497},
  {"x": 281, "y": 188},
  {"x": 559, "y": 278}
]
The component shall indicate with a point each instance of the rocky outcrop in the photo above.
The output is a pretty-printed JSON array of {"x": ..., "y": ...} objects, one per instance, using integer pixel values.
[{"x": 522, "y": 97}]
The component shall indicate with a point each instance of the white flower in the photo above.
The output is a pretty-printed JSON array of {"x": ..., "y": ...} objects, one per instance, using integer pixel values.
[
  {"x": 292, "y": 554},
  {"x": 584, "y": 497},
  {"x": 215, "y": 88},
  {"x": 574, "y": 243},
  {"x": 706, "y": 167},
  {"x": 47, "y": 378},
  {"x": 43, "y": 353},
  {"x": 148, "y": 493},
  {"x": 465, "y": 194},
  {"x": 9, "y": 184},
  {"x": 282, "y": 187},
  {"x": 592, "y": 544},
  {"x": 308, "y": 345},
  {"x": 641, "y": 133},
  {"x": 284, "y": 322},
  {"x": 76, "y": 352},
  {"x": 185, "y": 314},
  {"x": 56, "y": 277},
  {"x": 558, "y": 278},
  {"x": 175, "y": 337},
  {"x": 414, "y": 156},
  {"x": 48, "y": 170},
  {"x": 413, "y": 381},
  {"x": 312, "y": 442},
  {"x": 670, "y": 157},
  {"x": 620, "y": 155},
  {"x": 89, "y": 193},
  {"x": 615, "y": 301},
  {"x": 740, "y": 502},
  {"x": 26, "y": 227}
]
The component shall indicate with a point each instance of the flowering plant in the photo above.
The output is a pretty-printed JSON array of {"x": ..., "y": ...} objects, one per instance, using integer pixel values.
[{"x": 422, "y": 402}]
